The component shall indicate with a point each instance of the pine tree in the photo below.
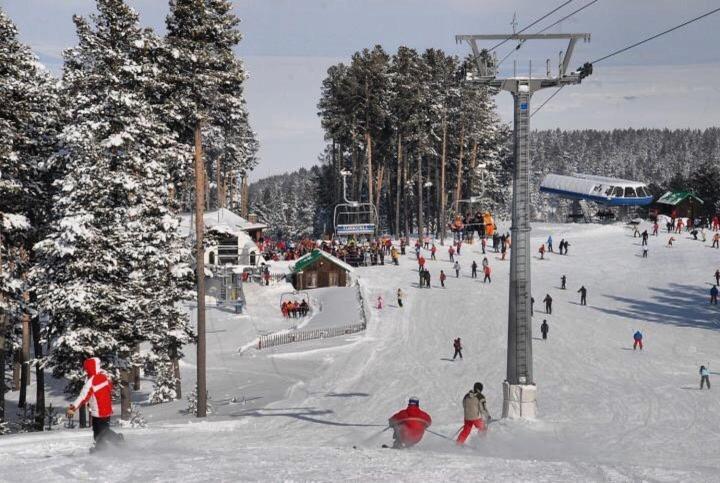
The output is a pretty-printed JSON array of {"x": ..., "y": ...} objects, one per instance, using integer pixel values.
[
  {"x": 28, "y": 125},
  {"x": 112, "y": 267},
  {"x": 203, "y": 80}
]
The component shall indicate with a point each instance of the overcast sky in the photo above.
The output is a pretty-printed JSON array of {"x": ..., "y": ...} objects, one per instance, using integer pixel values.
[{"x": 289, "y": 44}]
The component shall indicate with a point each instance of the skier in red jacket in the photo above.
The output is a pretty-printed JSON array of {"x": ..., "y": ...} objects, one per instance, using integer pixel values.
[
  {"x": 409, "y": 424},
  {"x": 97, "y": 394}
]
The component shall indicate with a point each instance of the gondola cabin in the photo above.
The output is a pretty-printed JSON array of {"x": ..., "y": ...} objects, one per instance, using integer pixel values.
[{"x": 599, "y": 189}]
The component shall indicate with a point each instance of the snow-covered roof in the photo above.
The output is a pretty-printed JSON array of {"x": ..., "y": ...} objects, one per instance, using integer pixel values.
[
  {"x": 221, "y": 220},
  {"x": 313, "y": 256},
  {"x": 675, "y": 197}
]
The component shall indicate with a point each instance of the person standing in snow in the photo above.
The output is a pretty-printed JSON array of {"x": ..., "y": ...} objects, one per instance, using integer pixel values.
[
  {"x": 637, "y": 338},
  {"x": 399, "y": 297},
  {"x": 704, "y": 377},
  {"x": 456, "y": 267},
  {"x": 563, "y": 281},
  {"x": 544, "y": 329},
  {"x": 483, "y": 244},
  {"x": 549, "y": 244},
  {"x": 457, "y": 345},
  {"x": 409, "y": 425},
  {"x": 474, "y": 267},
  {"x": 714, "y": 295},
  {"x": 379, "y": 302},
  {"x": 644, "y": 237},
  {"x": 433, "y": 250},
  {"x": 475, "y": 412},
  {"x": 442, "y": 278},
  {"x": 486, "y": 272},
  {"x": 548, "y": 303},
  {"x": 583, "y": 295},
  {"x": 645, "y": 251},
  {"x": 717, "y": 277},
  {"x": 655, "y": 228},
  {"x": 427, "y": 278},
  {"x": 541, "y": 251},
  {"x": 97, "y": 394},
  {"x": 532, "y": 306},
  {"x": 716, "y": 240},
  {"x": 451, "y": 253}
]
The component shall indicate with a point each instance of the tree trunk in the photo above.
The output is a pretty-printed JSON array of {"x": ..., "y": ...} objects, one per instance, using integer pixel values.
[
  {"x": 406, "y": 215},
  {"x": 443, "y": 221},
  {"x": 459, "y": 172},
  {"x": 3, "y": 331},
  {"x": 368, "y": 143},
  {"x": 125, "y": 396},
  {"x": 218, "y": 182},
  {"x": 24, "y": 358},
  {"x": 378, "y": 189},
  {"x": 136, "y": 370},
  {"x": 420, "y": 199},
  {"x": 397, "y": 186},
  {"x": 176, "y": 373},
  {"x": 473, "y": 170},
  {"x": 17, "y": 357},
  {"x": 39, "y": 375}
]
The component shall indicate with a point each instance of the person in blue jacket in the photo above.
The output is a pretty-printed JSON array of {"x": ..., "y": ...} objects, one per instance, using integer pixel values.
[
  {"x": 704, "y": 377},
  {"x": 638, "y": 340},
  {"x": 714, "y": 295},
  {"x": 549, "y": 244}
]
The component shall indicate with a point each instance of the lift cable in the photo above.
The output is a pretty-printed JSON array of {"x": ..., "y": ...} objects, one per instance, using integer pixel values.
[
  {"x": 547, "y": 100},
  {"x": 548, "y": 28},
  {"x": 655, "y": 36},
  {"x": 529, "y": 26},
  {"x": 625, "y": 49}
]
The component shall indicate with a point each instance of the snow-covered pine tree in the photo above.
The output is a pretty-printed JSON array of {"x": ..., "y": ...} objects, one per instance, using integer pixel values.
[
  {"x": 204, "y": 80},
  {"x": 28, "y": 123},
  {"x": 111, "y": 266}
]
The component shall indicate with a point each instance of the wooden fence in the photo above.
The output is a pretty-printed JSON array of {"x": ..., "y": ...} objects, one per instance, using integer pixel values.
[{"x": 273, "y": 340}]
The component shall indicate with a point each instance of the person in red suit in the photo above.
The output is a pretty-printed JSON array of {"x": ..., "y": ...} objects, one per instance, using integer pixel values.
[
  {"x": 409, "y": 425},
  {"x": 97, "y": 394}
]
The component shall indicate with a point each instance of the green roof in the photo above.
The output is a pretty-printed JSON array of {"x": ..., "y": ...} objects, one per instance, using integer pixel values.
[
  {"x": 675, "y": 197},
  {"x": 308, "y": 259}
]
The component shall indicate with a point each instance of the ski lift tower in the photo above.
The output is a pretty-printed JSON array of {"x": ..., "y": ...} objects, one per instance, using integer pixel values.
[{"x": 519, "y": 388}]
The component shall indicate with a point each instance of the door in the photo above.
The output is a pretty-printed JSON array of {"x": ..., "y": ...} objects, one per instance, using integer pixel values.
[
  {"x": 332, "y": 279},
  {"x": 312, "y": 279}
]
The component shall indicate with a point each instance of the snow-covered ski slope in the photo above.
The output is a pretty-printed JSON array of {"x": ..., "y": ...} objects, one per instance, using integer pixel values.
[{"x": 607, "y": 413}]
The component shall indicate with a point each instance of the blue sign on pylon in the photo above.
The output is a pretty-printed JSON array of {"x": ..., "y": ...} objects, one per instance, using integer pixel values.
[{"x": 523, "y": 106}]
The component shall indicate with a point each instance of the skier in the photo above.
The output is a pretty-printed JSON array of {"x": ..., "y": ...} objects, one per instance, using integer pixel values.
[
  {"x": 645, "y": 251},
  {"x": 459, "y": 246},
  {"x": 456, "y": 267},
  {"x": 451, "y": 252},
  {"x": 644, "y": 237},
  {"x": 97, "y": 393},
  {"x": 433, "y": 250},
  {"x": 457, "y": 345},
  {"x": 541, "y": 251},
  {"x": 544, "y": 328},
  {"x": 716, "y": 240},
  {"x": 399, "y": 297},
  {"x": 637, "y": 337},
  {"x": 421, "y": 272},
  {"x": 532, "y": 306},
  {"x": 549, "y": 244},
  {"x": 548, "y": 303},
  {"x": 379, "y": 302},
  {"x": 583, "y": 295},
  {"x": 503, "y": 251},
  {"x": 714, "y": 295},
  {"x": 427, "y": 278},
  {"x": 670, "y": 241},
  {"x": 483, "y": 244},
  {"x": 563, "y": 281},
  {"x": 655, "y": 228},
  {"x": 717, "y": 277},
  {"x": 409, "y": 425},
  {"x": 486, "y": 272},
  {"x": 474, "y": 269},
  {"x": 704, "y": 377},
  {"x": 476, "y": 413},
  {"x": 421, "y": 262},
  {"x": 443, "y": 277}
]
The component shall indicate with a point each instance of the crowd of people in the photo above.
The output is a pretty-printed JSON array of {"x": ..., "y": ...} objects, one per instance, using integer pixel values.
[{"x": 292, "y": 309}]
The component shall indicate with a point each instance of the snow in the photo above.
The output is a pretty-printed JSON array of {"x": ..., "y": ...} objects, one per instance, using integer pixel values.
[{"x": 605, "y": 412}]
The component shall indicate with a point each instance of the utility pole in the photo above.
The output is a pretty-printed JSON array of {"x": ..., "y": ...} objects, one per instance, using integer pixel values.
[
  {"x": 519, "y": 389},
  {"x": 200, "y": 270}
]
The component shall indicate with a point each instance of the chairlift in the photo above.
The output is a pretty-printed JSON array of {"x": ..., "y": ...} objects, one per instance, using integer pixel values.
[
  {"x": 293, "y": 296},
  {"x": 354, "y": 217}
]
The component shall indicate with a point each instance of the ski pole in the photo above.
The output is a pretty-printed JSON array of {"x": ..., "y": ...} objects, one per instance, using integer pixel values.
[
  {"x": 375, "y": 435},
  {"x": 438, "y": 435}
]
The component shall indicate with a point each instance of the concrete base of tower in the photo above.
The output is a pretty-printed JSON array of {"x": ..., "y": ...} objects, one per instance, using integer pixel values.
[{"x": 519, "y": 401}]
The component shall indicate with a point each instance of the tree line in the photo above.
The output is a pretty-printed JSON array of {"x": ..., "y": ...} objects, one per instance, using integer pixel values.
[{"x": 94, "y": 168}]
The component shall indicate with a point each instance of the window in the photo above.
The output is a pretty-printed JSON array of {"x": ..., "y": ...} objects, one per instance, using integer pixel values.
[
  {"x": 641, "y": 192},
  {"x": 630, "y": 192},
  {"x": 312, "y": 279},
  {"x": 618, "y": 192},
  {"x": 333, "y": 279},
  {"x": 609, "y": 191}
]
